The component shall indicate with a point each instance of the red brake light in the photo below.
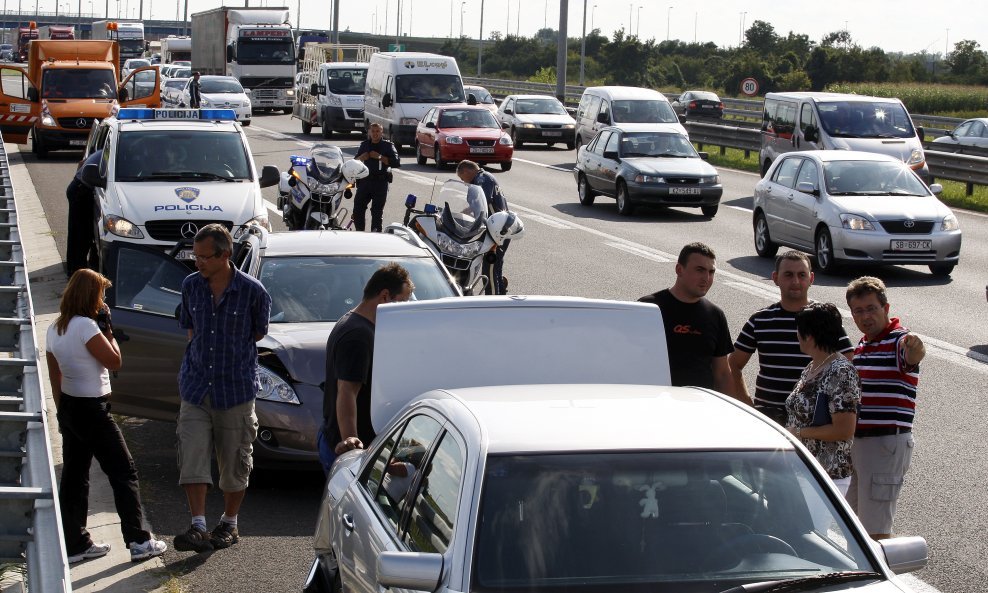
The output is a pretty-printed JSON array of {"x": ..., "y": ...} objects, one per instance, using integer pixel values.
[{"x": 692, "y": 104}]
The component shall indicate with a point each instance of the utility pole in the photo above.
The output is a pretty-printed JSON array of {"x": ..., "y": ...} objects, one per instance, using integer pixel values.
[
  {"x": 583, "y": 42},
  {"x": 561, "y": 51},
  {"x": 336, "y": 19},
  {"x": 480, "y": 43}
]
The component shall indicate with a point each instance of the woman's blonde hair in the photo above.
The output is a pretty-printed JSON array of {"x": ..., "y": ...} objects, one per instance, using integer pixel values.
[{"x": 83, "y": 296}]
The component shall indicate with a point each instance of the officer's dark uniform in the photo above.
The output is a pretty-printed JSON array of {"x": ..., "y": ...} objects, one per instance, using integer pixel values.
[
  {"x": 373, "y": 189},
  {"x": 496, "y": 202},
  {"x": 195, "y": 93},
  {"x": 80, "y": 249}
]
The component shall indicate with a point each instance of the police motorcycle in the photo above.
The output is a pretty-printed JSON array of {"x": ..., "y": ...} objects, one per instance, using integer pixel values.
[
  {"x": 460, "y": 232},
  {"x": 311, "y": 193}
]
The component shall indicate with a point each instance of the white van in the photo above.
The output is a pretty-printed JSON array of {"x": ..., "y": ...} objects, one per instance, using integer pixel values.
[
  {"x": 340, "y": 97},
  {"x": 602, "y": 106},
  {"x": 403, "y": 86},
  {"x": 835, "y": 121}
]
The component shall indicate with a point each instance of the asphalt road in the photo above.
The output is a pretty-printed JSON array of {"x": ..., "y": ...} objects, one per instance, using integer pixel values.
[{"x": 592, "y": 252}]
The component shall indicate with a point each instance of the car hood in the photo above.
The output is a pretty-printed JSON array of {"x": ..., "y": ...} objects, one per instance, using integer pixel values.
[
  {"x": 301, "y": 348},
  {"x": 893, "y": 207},
  {"x": 545, "y": 118},
  {"x": 900, "y": 148},
  {"x": 216, "y": 200},
  {"x": 220, "y": 97},
  {"x": 671, "y": 166},
  {"x": 490, "y": 133}
]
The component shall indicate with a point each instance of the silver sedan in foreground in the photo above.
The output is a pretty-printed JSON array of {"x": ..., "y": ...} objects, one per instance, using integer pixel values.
[{"x": 860, "y": 208}]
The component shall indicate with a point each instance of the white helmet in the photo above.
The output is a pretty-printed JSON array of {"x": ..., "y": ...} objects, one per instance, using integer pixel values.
[
  {"x": 354, "y": 169},
  {"x": 505, "y": 225}
]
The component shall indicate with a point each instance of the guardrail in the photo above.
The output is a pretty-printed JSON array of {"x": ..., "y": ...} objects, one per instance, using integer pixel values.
[{"x": 30, "y": 522}]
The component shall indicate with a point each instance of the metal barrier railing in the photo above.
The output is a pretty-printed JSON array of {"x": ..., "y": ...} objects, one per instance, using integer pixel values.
[{"x": 30, "y": 522}]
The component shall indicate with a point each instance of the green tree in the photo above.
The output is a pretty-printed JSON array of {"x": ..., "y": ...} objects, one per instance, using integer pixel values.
[
  {"x": 761, "y": 37},
  {"x": 967, "y": 62}
]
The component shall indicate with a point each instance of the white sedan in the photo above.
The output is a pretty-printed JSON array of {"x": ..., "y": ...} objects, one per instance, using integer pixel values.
[{"x": 221, "y": 92}]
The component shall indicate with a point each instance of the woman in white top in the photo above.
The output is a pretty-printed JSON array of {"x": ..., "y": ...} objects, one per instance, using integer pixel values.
[{"x": 81, "y": 352}]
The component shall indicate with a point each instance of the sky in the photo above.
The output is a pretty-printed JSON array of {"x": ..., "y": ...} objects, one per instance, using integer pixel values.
[{"x": 901, "y": 25}]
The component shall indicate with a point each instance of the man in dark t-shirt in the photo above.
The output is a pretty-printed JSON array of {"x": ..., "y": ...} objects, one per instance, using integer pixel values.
[
  {"x": 697, "y": 336},
  {"x": 349, "y": 363}
]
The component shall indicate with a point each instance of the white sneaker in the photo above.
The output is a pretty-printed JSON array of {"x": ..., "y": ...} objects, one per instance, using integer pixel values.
[
  {"x": 94, "y": 551},
  {"x": 148, "y": 549}
]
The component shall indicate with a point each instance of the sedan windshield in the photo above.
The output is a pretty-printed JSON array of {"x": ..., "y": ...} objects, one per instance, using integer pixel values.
[
  {"x": 865, "y": 119},
  {"x": 871, "y": 178},
  {"x": 648, "y": 522},
  {"x": 323, "y": 288},
  {"x": 467, "y": 118},
  {"x": 539, "y": 106},
  {"x": 181, "y": 155},
  {"x": 651, "y": 111},
  {"x": 656, "y": 144},
  {"x": 221, "y": 86}
]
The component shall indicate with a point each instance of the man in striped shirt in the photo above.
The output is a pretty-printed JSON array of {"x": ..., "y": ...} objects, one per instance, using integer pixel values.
[
  {"x": 772, "y": 333},
  {"x": 887, "y": 359}
]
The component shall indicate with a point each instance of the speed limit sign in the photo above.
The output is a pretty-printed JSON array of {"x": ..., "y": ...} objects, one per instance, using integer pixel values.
[{"x": 749, "y": 86}]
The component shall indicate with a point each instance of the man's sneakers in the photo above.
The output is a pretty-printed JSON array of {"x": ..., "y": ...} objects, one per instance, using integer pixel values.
[
  {"x": 224, "y": 535},
  {"x": 193, "y": 540},
  {"x": 94, "y": 551},
  {"x": 148, "y": 549}
]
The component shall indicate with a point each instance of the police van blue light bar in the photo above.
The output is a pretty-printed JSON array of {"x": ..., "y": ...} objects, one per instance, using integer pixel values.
[{"x": 146, "y": 114}]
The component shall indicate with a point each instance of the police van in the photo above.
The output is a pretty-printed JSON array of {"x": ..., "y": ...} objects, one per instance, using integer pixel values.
[{"x": 166, "y": 173}]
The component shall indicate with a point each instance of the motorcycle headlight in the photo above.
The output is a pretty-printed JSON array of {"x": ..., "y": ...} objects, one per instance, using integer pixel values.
[
  {"x": 334, "y": 101},
  {"x": 950, "y": 223},
  {"x": 273, "y": 388},
  {"x": 649, "y": 179},
  {"x": 506, "y": 140},
  {"x": 261, "y": 220},
  {"x": 122, "y": 227},
  {"x": 856, "y": 223},
  {"x": 460, "y": 250},
  {"x": 454, "y": 140},
  {"x": 916, "y": 157}
]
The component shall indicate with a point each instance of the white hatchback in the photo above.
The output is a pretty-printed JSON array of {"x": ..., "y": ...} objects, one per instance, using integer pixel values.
[{"x": 220, "y": 92}]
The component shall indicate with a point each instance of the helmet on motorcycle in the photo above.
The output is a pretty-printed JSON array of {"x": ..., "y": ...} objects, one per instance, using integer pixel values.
[
  {"x": 505, "y": 225},
  {"x": 354, "y": 169}
]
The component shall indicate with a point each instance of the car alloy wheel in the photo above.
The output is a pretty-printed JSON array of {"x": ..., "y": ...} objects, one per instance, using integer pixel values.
[
  {"x": 625, "y": 207},
  {"x": 825, "y": 252},
  {"x": 764, "y": 246},
  {"x": 419, "y": 157},
  {"x": 586, "y": 194}
]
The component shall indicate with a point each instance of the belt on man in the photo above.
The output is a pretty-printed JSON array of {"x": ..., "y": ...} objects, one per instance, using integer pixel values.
[{"x": 881, "y": 431}]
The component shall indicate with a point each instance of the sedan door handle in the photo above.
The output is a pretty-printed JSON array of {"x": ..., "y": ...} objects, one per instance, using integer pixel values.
[{"x": 347, "y": 522}]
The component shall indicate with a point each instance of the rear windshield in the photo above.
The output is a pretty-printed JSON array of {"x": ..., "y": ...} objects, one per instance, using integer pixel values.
[
  {"x": 181, "y": 155},
  {"x": 548, "y": 105},
  {"x": 219, "y": 86},
  {"x": 705, "y": 96},
  {"x": 78, "y": 84},
  {"x": 647, "y": 111},
  {"x": 135, "y": 64}
]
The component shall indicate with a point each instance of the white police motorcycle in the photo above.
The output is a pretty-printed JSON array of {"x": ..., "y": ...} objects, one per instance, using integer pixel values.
[
  {"x": 312, "y": 191},
  {"x": 459, "y": 231}
]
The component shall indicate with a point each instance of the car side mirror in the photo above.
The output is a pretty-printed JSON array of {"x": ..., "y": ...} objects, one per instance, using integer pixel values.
[
  {"x": 471, "y": 99},
  {"x": 603, "y": 118},
  {"x": 386, "y": 100},
  {"x": 231, "y": 56},
  {"x": 430, "y": 124},
  {"x": 682, "y": 118},
  {"x": 904, "y": 554},
  {"x": 314, "y": 89},
  {"x": 807, "y": 187},
  {"x": 509, "y": 110},
  {"x": 269, "y": 176},
  {"x": 505, "y": 125},
  {"x": 409, "y": 570},
  {"x": 32, "y": 94},
  {"x": 921, "y": 133},
  {"x": 704, "y": 156},
  {"x": 936, "y": 189},
  {"x": 809, "y": 134},
  {"x": 91, "y": 176},
  {"x": 611, "y": 154}
]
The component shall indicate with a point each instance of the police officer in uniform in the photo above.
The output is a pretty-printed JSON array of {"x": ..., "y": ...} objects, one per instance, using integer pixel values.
[
  {"x": 380, "y": 156},
  {"x": 195, "y": 92},
  {"x": 470, "y": 172},
  {"x": 80, "y": 248}
]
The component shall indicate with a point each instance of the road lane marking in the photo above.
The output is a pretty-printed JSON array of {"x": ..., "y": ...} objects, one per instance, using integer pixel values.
[
  {"x": 543, "y": 165},
  {"x": 645, "y": 253},
  {"x": 741, "y": 208}
]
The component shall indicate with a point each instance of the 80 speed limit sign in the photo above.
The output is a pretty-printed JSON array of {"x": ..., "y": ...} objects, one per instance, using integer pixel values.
[{"x": 749, "y": 86}]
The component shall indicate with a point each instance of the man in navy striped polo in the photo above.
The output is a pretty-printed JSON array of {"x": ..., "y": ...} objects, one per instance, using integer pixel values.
[
  {"x": 887, "y": 359},
  {"x": 772, "y": 333}
]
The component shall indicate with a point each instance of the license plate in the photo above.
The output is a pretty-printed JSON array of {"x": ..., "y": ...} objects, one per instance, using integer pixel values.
[
  {"x": 912, "y": 245},
  {"x": 77, "y": 142},
  {"x": 684, "y": 191},
  {"x": 358, "y": 124},
  {"x": 185, "y": 254},
  {"x": 706, "y": 106},
  {"x": 482, "y": 149},
  {"x": 552, "y": 133}
]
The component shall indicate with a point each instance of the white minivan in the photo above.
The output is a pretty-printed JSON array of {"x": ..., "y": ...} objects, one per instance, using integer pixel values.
[
  {"x": 602, "y": 106},
  {"x": 403, "y": 86},
  {"x": 835, "y": 121}
]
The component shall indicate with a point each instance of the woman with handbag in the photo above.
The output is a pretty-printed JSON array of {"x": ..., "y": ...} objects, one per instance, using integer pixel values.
[
  {"x": 823, "y": 407},
  {"x": 81, "y": 352}
]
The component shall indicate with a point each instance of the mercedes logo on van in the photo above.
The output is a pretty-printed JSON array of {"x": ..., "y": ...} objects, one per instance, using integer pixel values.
[
  {"x": 80, "y": 123},
  {"x": 189, "y": 230},
  {"x": 909, "y": 224}
]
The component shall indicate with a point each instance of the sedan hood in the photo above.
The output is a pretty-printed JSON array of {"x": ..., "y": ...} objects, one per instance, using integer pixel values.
[
  {"x": 692, "y": 167},
  {"x": 893, "y": 207},
  {"x": 215, "y": 200},
  {"x": 485, "y": 133},
  {"x": 545, "y": 118},
  {"x": 219, "y": 98},
  {"x": 301, "y": 348}
]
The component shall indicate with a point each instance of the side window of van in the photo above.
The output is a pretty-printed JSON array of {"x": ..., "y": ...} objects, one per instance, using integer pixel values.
[
  {"x": 594, "y": 107},
  {"x": 785, "y": 119},
  {"x": 605, "y": 108},
  {"x": 768, "y": 116},
  {"x": 806, "y": 118},
  {"x": 387, "y": 86},
  {"x": 584, "y": 106},
  {"x": 785, "y": 175}
]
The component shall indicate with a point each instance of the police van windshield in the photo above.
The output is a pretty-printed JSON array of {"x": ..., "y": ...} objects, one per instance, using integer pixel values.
[
  {"x": 181, "y": 155},
  {"x": 346, "y": 82},
  {"x": 643, "y": 112},
  {"x": 78, "y": 84},
  {"x": 865, "y": 119},
  {"x": 429, "y": 88}
]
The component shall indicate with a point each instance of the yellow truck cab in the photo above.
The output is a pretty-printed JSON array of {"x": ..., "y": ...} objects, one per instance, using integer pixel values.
[{"x": 68, "y": 85}]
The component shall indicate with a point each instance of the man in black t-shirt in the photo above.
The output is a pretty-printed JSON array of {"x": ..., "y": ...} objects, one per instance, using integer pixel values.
[
  {"x": 349, "y": 363},
  {"x": 697, "y": 336},
  {"x": 380, "y": 156}
]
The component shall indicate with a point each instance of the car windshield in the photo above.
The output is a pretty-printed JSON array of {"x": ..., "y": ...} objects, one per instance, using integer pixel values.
[
  {"x": 182, "y": 73},
  {"x": 648, "y": 522},
  {"x": 464, "y": 209},
  {"x": 871, "y": 178},
  {"x": 480, "y": 94},
  {"x": 649, "y": 111},
  {"x": 865, "y": 119},
  {"x": 429, "y": 88},
  {"x": 656, "y": 144},
  {"x": 347, "y": 82},
  {"x": 135, "y": 64},
  {"x": 539, "y": 106},
  {"x": 175, "y": 84},
  {"x": 219, "y": 86},
  {"x": 467, "y": 118},
  {"x": 306, "y": 289},
  {"x": 181, "y": 155},
  {"x": 67, "y": 83}
]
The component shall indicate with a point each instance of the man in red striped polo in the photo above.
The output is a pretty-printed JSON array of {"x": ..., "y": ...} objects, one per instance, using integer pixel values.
[{"x": 887, "y": 359}]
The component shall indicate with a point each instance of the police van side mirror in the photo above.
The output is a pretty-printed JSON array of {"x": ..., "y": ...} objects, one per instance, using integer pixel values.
[
  {"x": 386, "y": 100},
  {"x": 91, "y": 176},
  {"x": 269, "y": 176}
]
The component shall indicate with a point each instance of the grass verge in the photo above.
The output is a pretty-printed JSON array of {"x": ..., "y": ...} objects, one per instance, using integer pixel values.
[{"x": 954, "y": 192}]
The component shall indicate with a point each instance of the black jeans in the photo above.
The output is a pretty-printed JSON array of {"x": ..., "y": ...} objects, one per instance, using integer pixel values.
[
  {"x": 80, "y": 248},
  {"x": 373, "y": 191},
  {"x": 89, "y": 431}
]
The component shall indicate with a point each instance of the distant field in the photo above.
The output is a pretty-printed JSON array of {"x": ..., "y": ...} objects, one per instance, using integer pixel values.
[{"x": 928, "y": 99}]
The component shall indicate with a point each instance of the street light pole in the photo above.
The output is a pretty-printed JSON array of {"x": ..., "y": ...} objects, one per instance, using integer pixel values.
[
  {"x": 583, "y": 41},
  {"x": 593, "y": 13},
  {"x": 480, "y": 43},
  {"x": 668, "y": 20},
  {"x": 463, "y": 6},
  {"x": 741, "y": 30},
  {"x": 638, "y": 26}
]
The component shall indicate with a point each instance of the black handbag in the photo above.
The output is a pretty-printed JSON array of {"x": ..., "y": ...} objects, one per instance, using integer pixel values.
[{"x": 821, "y": 414}]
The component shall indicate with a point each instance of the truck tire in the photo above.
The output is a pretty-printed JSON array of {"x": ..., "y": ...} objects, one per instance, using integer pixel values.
[
  {"x": 38, "y": 146},
  {"x": 306, "y": 128},
  {"x": 286, "y": 110}
]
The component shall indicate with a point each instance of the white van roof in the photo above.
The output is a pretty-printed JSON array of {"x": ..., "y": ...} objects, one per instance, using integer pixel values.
[
  {"x": 625, "y": 92},
  {"x": 830, "y": 97},
  {"x": 344, "y": 66},
  {"x": 515, "y": 340}
]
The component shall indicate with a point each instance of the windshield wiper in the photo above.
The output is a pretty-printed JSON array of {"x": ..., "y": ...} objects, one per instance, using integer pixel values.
[
  {"x": 672, "y": 155},
  {"x": 800, "y": 583},
  {"x": 858, "y": 193},
  {"x": 197, "y": 175}
]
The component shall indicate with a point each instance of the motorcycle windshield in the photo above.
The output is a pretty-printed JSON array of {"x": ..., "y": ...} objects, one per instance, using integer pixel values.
[
  {"x": 326, "y": 163},
  {"x": 464, "y": 209}
]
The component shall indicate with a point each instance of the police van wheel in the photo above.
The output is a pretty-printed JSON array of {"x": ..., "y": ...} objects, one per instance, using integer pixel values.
[{"x": 306, "y": 128}]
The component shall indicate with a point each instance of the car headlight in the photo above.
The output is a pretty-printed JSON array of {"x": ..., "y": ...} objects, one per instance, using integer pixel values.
[
  {"x": 408, "y": 121},
  {"x": 273, "y": 388},
  {"x": 463, "y": 251},
  {"x": 710, "y": 180},
  {"x": 649, "y": 179},
  {"x": 506, "y": 140},
  {"x": 453, "y": 140},
  {"x": 261, "y": 220},
  {"x": 568, "y": 126},
  {"x": 528, "y": 125},
  {"x": 856, "y": 223},
  {"x": 290, "y": 92},
  {"x": 206, "y": 102},
  {"x": 122, "y": 227},
  {"x": 916, "y": 157},
  {"x": 950, "y": 223},
  {"x": 334, "y": 101},
  {"x": 48, "y": 120}
]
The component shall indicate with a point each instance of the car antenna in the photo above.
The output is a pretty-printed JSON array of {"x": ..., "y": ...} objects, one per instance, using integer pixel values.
[{"x": 435, "y": 182}]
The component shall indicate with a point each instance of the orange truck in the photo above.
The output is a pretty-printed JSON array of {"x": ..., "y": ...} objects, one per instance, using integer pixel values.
[{"x": 68, "y": 85}]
